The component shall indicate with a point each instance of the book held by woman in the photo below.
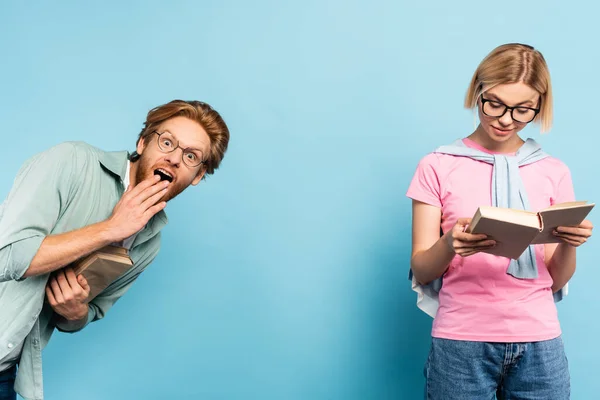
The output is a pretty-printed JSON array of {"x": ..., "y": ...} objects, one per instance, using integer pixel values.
[{"x": 514, "y": 230}]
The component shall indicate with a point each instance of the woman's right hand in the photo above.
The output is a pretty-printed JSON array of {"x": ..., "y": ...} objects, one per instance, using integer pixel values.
[{"x": 466, "y": 244}]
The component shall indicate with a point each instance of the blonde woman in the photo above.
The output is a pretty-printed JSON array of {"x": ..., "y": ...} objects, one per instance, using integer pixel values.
[{"x": 496, "y": 330}]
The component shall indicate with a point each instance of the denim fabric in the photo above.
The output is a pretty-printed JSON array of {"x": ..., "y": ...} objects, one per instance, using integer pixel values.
[
  {"x": 463, "y": 370},
  {"x": 7, "y": 382}
]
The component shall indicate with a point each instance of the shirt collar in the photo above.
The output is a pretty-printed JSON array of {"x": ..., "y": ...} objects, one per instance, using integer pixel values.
[{"x": 115, "y": 161}]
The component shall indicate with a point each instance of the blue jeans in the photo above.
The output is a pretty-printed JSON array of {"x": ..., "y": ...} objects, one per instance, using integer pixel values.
[
  {"x": 463, "y": 370},
  {"x": 7, "y": 381}
]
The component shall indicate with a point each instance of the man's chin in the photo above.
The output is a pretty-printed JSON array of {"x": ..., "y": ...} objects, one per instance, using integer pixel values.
[
  {"x": 168, "y": 196},
  {"x": 172, "y": 192}
]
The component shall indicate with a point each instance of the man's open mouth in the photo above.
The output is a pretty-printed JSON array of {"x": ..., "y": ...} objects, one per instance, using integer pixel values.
[{"x": 164, "y": 175}]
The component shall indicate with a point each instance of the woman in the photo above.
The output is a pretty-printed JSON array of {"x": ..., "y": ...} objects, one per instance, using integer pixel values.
[{"x": 496, "y": 330}]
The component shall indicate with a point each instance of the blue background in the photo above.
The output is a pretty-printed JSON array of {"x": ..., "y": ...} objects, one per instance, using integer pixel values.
[{"x": 284, "y": 276}]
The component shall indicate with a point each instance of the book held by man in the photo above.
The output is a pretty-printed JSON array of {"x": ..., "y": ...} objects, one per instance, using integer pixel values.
[
  {"x": 103, "y": 267},
  {"x": 514, "y": 230}
]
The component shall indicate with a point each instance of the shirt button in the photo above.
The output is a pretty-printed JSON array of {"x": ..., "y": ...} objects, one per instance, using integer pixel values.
[{"x": 10, "y": 345}]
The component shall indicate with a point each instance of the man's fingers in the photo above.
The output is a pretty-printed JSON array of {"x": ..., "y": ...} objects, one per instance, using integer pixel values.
[
  {"x": 154, "y": 209},
  {"x": 50, "y": 297},
  {"x": 68, "y": 292},
  {"x": 151, "y": 191},
  {"x": 152, "y": 200},
  {"x": 84, "y": 285},
  {"x": 143, "y": 185},
  {"x": 56, "y": 291},
  {"x": 62, "y": 281},
  {"x": 132, "y": 193},
  {"x": 70, "y": 275},
  {"x": 73, "y": 281}
]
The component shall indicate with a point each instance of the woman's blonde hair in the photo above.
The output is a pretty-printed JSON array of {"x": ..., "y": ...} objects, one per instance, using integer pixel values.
[{"x": 512, "y": 63}]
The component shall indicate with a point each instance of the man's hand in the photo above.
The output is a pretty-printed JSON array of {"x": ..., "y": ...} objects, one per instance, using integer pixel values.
[
  {"x": 67, "y": 294},
  {"x": 136, "y": 207}
]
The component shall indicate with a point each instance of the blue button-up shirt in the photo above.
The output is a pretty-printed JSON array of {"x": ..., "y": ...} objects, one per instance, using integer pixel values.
[{"x": 67, "y": 187}]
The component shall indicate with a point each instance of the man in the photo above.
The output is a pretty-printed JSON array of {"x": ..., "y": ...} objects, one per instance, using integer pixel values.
[{"x": 74, "y": 199}]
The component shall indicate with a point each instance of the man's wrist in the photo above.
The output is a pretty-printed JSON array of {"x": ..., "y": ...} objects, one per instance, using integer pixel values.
[
  {"x": 71, "y": 325},
  {"x": 106, "y": 232},
  {"x": 82, "y": 314}
]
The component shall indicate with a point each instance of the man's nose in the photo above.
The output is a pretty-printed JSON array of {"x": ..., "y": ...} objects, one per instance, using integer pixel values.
[{"x": 175, "y": 157}]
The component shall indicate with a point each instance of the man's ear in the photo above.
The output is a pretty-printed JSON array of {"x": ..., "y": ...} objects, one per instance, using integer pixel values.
[
  {"x": 141, "y": 145},
  {"x": 198, "y": 177}
]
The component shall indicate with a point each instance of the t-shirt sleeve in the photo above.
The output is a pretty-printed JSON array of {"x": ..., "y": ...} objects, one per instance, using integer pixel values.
[{"x": 425, "y": 184}]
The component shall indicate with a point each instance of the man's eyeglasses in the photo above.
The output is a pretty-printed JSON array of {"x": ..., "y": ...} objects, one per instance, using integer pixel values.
[
  {"x": 168, "y": 144},
  {"x": 496, "y": 109}
]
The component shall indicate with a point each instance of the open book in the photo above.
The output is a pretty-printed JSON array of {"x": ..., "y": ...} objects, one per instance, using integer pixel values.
[
  {"x": 514, "y": 230},
  {"x": 103, "y": 267}
]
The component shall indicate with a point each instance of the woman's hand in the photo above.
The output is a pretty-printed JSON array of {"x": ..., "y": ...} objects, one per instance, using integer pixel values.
[
  {"x": 466, "y": 244},
  {"x": 575, "y": 236}
]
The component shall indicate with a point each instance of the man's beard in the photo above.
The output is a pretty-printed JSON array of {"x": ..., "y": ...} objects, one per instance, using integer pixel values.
[{"x": 145, "y": 170}]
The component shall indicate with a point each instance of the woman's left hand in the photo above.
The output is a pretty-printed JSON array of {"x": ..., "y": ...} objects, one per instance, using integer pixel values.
[{"x": 575, "y": 236}]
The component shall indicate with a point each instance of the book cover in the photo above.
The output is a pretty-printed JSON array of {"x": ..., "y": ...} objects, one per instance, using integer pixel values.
[{"x": 103, "y": 267}]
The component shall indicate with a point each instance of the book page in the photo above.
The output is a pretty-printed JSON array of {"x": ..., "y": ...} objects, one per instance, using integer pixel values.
[
  {"x": 567, "y": 204},
  {"x": 510, "y": 215},
  {"x": 561, "y": 216}
]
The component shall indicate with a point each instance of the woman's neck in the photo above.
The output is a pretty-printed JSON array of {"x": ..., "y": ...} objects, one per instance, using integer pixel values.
[{"x": 511, "y": 145}]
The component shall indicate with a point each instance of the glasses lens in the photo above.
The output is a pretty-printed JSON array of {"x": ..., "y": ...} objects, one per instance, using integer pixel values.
[
  {"x": 523, "y": 115},
  {"x": 192, "y": 158},
  {"x": 166, "y": 142},
  {"x": 493, "y": 108}
]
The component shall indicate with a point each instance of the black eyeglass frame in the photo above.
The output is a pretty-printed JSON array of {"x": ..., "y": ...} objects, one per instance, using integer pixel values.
[{"x": 506, "y": 108}]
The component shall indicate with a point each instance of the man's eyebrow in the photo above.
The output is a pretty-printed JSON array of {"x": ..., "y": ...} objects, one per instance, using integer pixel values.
[{"x": 185, "y": 147}]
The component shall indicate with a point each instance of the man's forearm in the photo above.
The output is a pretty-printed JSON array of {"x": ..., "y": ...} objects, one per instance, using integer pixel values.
[
  {"x": 562, "y": 265},
  {"x": 60, "y": 250}
]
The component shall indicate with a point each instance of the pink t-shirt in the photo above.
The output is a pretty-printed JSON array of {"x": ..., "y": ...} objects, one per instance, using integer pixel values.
[{"x": 479, "y": 301}]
